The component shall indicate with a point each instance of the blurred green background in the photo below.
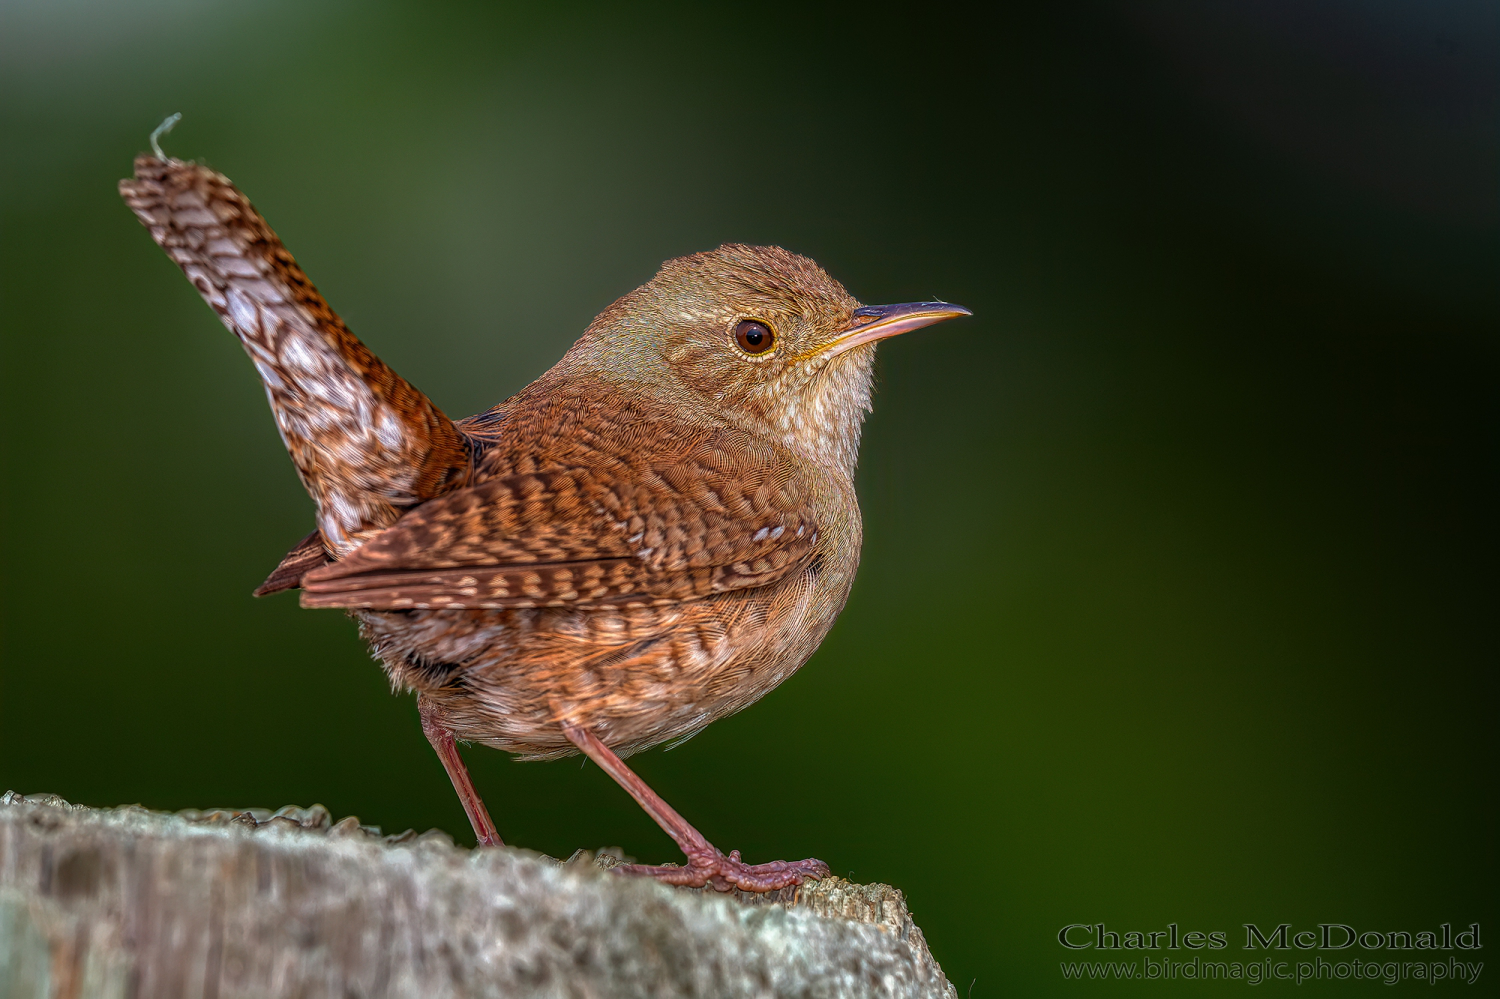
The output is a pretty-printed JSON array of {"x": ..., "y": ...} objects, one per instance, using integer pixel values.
[{"x": 1178, "y": 600}]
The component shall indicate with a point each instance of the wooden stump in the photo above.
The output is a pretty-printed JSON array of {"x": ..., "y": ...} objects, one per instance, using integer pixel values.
[{"x": 125, "y": 903}]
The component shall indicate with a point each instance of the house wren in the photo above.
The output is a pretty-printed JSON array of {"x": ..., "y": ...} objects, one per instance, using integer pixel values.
[{"x": 652, "y": 535}]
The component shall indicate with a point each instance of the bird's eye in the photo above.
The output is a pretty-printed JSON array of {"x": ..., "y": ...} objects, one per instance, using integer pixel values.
[{"x": 754, "y": 337}]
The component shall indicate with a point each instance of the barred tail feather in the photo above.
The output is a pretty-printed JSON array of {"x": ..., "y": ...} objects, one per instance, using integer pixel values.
[{"x": 366, "y": 444}]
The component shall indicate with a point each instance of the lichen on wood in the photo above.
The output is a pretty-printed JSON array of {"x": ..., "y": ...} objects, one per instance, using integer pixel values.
[{"x": 126, "y": 902}]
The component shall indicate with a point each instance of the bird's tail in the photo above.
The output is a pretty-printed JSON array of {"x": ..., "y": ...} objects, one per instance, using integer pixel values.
[{"x": 366, "y": 443}]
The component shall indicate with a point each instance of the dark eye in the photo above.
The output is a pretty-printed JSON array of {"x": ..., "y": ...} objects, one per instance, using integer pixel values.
[{"x": 754, "y": 337}]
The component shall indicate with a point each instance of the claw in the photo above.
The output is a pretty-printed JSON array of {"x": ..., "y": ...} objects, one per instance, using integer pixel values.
[{"x": 728, "y": 873}]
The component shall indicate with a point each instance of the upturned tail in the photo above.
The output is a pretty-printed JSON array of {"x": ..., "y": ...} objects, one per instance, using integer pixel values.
[{"x": 367, "y": 445}]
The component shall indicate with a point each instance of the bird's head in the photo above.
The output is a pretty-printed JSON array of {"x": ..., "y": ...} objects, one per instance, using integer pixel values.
[{"x": 760, "y": 336}]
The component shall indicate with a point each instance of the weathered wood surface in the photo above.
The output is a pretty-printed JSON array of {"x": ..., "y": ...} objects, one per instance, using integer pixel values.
[{"x": 130, "y": 903}]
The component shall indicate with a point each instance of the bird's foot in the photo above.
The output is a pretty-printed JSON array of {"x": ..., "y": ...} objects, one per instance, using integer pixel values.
[{"x": 728, "y": 873}]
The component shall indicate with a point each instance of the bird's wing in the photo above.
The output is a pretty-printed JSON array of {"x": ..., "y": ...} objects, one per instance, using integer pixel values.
[
  {"x": 719, "y": 515},
  {"x": 366, "y": 443}
]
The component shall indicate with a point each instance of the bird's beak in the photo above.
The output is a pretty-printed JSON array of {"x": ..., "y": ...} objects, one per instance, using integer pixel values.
[{"x": 876, "y": 322}]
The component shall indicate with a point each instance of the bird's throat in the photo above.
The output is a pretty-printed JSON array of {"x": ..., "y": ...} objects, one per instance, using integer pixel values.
[{"x": 821, "y": 415}]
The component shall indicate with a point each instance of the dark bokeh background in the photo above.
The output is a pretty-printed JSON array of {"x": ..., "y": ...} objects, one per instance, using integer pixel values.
[{"x": 1179, "y": 592}]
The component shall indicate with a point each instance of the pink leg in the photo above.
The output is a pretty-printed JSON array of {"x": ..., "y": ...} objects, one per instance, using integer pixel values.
[
  {"x": 446, "y": 748},
  {"x": 706, "y": 865}
]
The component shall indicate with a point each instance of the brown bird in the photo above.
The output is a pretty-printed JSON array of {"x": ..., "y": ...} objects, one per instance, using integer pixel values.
[{"x": 651, "y": 536}]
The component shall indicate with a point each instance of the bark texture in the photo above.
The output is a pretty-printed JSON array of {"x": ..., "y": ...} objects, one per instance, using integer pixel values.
[{"x": 126, "y": 902}]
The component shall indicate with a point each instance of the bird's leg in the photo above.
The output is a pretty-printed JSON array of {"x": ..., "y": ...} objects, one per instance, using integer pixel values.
[
  {"x": 706, "y": 865},
  {"x": 446, "y": 747}
]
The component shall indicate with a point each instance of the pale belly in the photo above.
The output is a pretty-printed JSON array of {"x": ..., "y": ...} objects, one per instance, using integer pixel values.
[{"x": 636, "y": 677}]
